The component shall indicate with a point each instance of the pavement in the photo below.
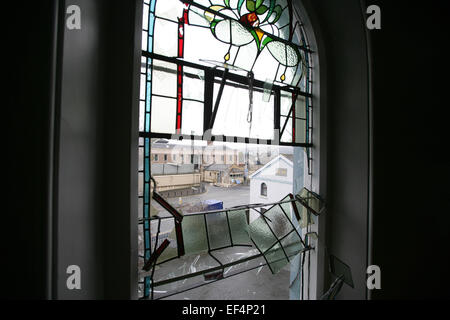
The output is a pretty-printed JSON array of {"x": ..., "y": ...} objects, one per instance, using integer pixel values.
[
  {"x": 259, "y": 284},
  {"x": 233, "y": 196}
]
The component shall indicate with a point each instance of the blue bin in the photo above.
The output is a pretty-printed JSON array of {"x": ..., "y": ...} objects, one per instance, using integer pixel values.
[{"x": 213, "y": 205}]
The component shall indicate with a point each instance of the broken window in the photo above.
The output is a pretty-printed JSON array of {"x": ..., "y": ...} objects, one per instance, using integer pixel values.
[
  {"x": 197, "y": 249},
  {"x": 221, "y": 70}
]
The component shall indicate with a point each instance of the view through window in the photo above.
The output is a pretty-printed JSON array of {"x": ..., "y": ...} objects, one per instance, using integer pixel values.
[{"x": 225, "y": 122}]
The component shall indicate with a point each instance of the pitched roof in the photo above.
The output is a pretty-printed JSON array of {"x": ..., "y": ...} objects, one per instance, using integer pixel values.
[{"x": 271, "y": 162}]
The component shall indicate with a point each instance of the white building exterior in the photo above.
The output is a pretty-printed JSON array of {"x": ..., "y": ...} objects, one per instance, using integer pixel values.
[{"x": 273, "y": 182}]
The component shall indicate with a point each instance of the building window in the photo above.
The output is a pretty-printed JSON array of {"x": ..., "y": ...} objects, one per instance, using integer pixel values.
[
  {"x": 156, "y": 157},
  {"x": 263, "y": 189},
  {"x": 282, "y": 172},
  {"x": 165, "y": 157}
]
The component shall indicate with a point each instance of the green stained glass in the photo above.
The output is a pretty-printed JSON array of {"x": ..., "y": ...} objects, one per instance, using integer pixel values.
[
  {"x": 311, "y": 200},
  {"x": 166, "y": 231},
  {"x": 276, "y": 258},
  {"x": 261, "y": 235},
  {"x": 218, "y": 232},
  {"x": 194, "y": 234},
  {"x": 278, "y": 221},
  {"x": 238, "y": 226},
  {"x": 304, "y": 218},
  {"x": 300, "y": 131},
  {"x": 292, "y": 244},
  {"x": 287, "y": 207}
]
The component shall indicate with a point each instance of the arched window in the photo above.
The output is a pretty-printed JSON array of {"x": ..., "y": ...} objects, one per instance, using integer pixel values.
[
  {"x": 239, "y": 70},
  {"x": 263, "y": 189}
]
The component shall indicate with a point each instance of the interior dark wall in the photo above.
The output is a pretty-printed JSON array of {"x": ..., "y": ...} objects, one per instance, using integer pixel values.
[
  {"x": 411, "y": 169},
  {"x": 26, "y": 105}
]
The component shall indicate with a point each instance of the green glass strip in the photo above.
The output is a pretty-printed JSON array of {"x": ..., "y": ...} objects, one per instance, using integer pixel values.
[
  {"x": 194, "y": 234},
  {"x": 167, "y": 231},
  {"x": 276, "y": 258},
  {"x": 238, "y": 226},
  {"x": 292, "y": 244},
  {"x": 218, "y": 232}
]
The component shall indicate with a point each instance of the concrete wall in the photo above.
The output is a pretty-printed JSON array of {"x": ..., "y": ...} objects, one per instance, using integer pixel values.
[{"x": 177, "y": 181}]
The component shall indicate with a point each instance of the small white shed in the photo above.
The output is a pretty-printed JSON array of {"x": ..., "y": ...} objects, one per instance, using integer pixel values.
[{"x": 272, "y": 182}]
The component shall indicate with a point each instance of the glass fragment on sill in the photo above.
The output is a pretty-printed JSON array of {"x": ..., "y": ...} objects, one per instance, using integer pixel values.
[
  {"x": 167, "y": 275},
  {"x": 312, "y": 201},
  {"x": 308, "y": 203},
  {"x": 341, "y": 269},
  {"x": 192, "y": 273}
]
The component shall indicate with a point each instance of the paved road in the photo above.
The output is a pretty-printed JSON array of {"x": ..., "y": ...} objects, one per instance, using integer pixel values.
[{"x": 231, "y": 197}]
